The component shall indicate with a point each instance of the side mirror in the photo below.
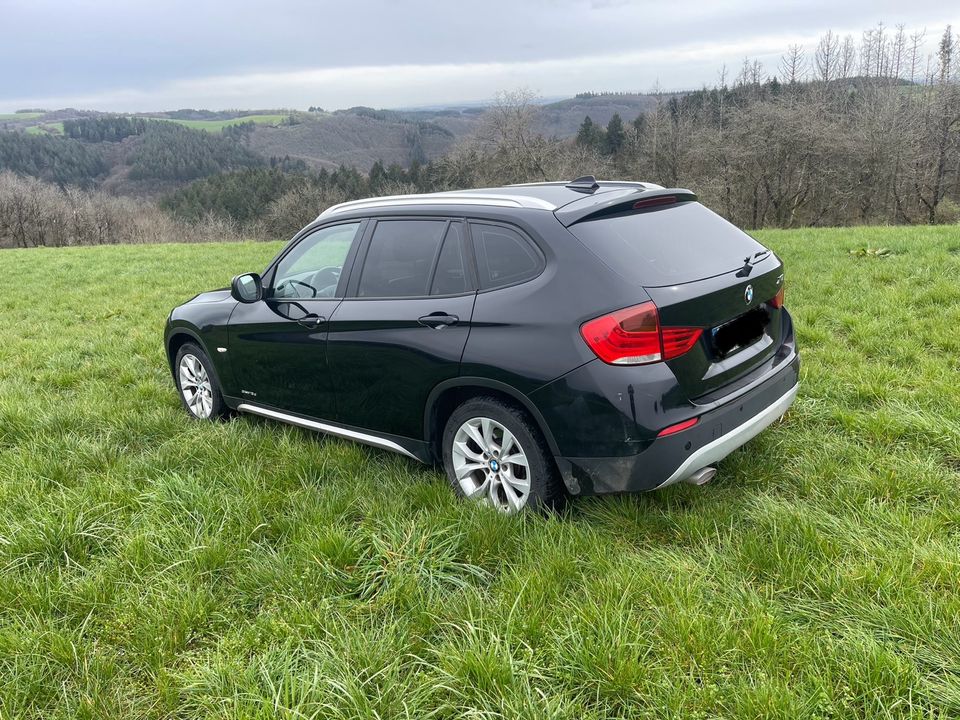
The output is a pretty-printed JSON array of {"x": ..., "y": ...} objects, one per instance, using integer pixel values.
[{"x": 247, "y": 288}]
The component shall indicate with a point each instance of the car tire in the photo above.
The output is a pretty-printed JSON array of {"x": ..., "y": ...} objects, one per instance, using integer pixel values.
[
  {"x": 197, "y": 384},
  {"x": 492, "y": 451}
]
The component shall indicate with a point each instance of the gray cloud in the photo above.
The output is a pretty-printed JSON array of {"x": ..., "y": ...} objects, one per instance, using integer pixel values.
[{"x": 124, "y": 55}]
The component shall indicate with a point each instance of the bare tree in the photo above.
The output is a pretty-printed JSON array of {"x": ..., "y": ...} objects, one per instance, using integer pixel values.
[
  {"x": 848, "y": 57},
  {"x": 34, "y": 213},
  {"x": 916, "y": 42},
  {"x": 943, "y": 119},
  {"x": 793, "y": 65},
  {"x": 898, "y": 51},
  {"x": 826, "y": 58}
]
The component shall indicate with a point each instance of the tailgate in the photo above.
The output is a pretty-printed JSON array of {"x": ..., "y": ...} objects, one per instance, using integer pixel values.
[{"x": 741, "y": 329}]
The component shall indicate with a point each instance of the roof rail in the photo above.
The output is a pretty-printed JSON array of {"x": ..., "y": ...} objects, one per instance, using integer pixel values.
[
  {"x": 601, "y": 183},
  {"x": 442, "y": 198}
]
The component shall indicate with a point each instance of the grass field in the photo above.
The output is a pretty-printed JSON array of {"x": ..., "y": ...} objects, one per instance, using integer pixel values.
[
  {"x": 155, "y": 567},
  {"x": 218, "y": 125},
  {"x": 20, "y": 116},
  {"x": 55, "y": 128}
]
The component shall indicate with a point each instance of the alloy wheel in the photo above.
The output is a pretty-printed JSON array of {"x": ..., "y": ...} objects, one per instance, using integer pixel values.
[
  {"x": 490, "y": 465},
  {"x": 195, "y": 386}
]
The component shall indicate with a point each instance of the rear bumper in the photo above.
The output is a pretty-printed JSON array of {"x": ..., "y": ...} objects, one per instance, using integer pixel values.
[
  {"x": 676, "y": 457},
  {"x": 718, "y": 449}
]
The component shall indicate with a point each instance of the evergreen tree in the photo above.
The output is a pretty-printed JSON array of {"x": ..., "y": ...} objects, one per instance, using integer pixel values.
[
  {"x": 615, "y": 134},
  {"x": 640, "y": 126},
  {"x": 589, "y": 134}
]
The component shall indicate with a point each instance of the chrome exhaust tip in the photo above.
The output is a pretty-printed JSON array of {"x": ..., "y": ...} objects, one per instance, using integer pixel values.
[{"x": 702, "y": 476}]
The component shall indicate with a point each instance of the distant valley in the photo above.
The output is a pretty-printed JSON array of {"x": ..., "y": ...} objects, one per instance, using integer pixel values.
[{"x": 357, "y": 137}]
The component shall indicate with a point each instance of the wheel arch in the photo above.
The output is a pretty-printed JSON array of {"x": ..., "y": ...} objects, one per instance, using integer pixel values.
[
  {"x": 449, "y": 394},
  {"x": 178, "y": 337}
]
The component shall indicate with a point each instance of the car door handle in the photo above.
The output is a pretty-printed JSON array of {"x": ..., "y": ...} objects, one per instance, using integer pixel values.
[
  {"x": 438, "y": 320},
  {"x": 311, "y": 321}
]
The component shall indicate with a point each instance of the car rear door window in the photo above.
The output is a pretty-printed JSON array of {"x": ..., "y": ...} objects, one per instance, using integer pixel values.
[
  {"x": 504, "y": 256},
  {"x": 400, "y": 258},
  {"x": 450, "y": 276}
]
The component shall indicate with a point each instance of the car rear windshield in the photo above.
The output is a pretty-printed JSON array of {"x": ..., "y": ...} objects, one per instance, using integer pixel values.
[{"x": 676, "y": 244}]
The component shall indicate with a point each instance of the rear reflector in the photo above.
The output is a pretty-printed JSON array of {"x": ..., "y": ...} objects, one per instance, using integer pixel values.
[
  {"x": 777, "y": 301},
  {"x": 633, "y": 336},
  {"x": 671, "y": 429}
]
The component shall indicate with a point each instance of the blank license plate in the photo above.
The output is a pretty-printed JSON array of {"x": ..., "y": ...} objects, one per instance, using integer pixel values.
[{"x": 739, "y": 332}]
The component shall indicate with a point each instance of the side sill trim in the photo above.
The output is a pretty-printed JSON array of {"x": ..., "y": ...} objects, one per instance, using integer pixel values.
[
  {"x": 365, "y": 438},
  {"x": 725, "y": 444}
]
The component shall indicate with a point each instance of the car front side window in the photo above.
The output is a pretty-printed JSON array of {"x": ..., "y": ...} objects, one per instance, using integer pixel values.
[{"x": 312, "y": 269}]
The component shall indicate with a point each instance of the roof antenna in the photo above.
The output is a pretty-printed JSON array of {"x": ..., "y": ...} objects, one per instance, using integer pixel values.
[{"x": 585, "y": 184}]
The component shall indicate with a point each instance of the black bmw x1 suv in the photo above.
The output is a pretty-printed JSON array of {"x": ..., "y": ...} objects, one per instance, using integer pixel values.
[{"x": 541, "y": 341}]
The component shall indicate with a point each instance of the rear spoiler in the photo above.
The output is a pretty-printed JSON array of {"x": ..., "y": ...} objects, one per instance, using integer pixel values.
[{"x": 611, "y": 202}]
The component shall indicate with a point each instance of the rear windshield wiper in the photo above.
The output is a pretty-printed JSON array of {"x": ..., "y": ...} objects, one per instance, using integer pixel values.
[{"x": 750, "y": 260}]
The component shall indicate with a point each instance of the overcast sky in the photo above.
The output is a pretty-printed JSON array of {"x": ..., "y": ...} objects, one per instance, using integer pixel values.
[{"x": 131, "y": 55}]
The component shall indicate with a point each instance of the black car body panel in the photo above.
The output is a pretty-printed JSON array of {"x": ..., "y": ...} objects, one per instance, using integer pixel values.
[
  {"x": 203, "y": 319},
  {"x": 384, "y": 361},
  {"x": 381, "y": 369},
  {"x": 280, "y": 362}
]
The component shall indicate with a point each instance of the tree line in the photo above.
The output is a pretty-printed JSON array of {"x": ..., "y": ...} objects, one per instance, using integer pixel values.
[
  {"x": 852, "y": 133},
  {"x": 34, "y": 213},
  {"x": 110, "y": 128}
]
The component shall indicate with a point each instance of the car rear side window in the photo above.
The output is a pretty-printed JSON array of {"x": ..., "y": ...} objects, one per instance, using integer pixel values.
[
  {"x": 504, "y": 256},
  {"x": 450, "y": 276},
  {"x": 400, "y": 258}
]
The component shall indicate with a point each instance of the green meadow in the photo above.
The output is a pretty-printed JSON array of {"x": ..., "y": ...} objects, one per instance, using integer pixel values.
[
  {"x": 152, "y": 566},
  {"x": 218, "y": 125},
  {"x": 20, "y": 116}
]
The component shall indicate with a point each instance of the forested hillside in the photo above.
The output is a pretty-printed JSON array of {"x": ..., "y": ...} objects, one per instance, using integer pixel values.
[
  {"x": 846, "y": 133},
  {"x": 51, "y": 159},
  {"x": 172, "y": 152}
]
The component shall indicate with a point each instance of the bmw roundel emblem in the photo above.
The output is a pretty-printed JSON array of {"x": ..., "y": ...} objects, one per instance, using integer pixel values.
[{"x": 748, "y": 294}]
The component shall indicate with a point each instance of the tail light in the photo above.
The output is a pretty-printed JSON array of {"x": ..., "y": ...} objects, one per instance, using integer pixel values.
[
  {"x": 633, "y": 336},
  {"x": 777, "y": 301}
]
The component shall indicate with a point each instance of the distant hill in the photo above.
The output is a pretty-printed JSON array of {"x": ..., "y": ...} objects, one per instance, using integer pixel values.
[
  {"x": 360, "y": 136},
  {"x": 563, "y": 118},
  {"x": 130, "y": 159}
]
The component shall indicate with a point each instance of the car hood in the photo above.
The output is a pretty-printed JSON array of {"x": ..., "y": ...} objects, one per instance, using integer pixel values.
[{"x": 211, "y": 296}]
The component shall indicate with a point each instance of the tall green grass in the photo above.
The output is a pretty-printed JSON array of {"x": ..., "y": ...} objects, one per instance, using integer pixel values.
[{"x": 155, "y": 567}]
